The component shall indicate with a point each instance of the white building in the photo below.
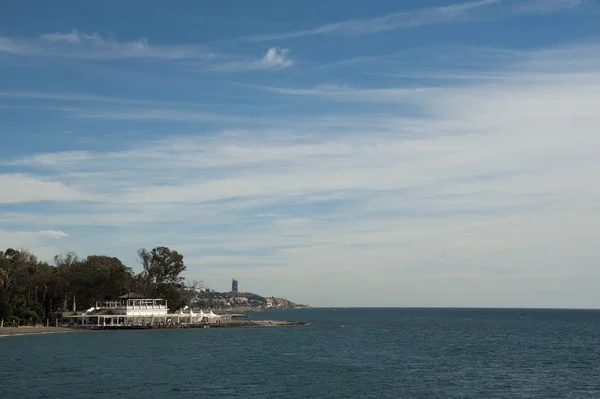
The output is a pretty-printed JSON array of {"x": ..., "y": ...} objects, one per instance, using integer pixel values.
[
  {"x": 132, "y": 305},
  {"x": 136, "y": 310}
]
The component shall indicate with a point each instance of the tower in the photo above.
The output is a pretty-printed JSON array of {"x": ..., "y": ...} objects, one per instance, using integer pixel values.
[{"x": 234, "y": 285}]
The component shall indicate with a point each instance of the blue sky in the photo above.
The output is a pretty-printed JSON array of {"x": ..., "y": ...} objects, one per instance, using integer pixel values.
[{"x": 422, "y": 153}]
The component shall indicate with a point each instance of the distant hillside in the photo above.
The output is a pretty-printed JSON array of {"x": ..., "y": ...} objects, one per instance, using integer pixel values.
[{"x": 239, "y": 301}]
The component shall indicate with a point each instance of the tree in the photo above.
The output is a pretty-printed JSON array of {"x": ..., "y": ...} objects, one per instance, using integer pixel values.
[
  {"x": 161, "y": 275},
  {"x": 190, "y": 291},
  {"x": 14, "y": 267},
  {"x": 162, "y": 265},
  {"x": 103, "y": 277},
  {"x": 43, "y": 300},
  {"x": 33, "y": 291},
  {"x": 68, "y": 276}
]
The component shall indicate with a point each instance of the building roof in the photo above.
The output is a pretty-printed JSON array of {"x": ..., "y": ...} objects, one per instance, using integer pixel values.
[{"x": 132, "y": 295}]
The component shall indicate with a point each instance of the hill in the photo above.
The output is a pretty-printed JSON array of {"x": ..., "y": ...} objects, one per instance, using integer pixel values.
[{"x": 239, "y": 301}]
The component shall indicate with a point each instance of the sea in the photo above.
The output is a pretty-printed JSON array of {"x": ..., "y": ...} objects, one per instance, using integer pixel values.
[{"x": 344, "y": 353}]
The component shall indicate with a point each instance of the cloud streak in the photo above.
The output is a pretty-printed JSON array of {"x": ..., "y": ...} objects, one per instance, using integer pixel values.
[
  {"x": 34, "y": 189},
  {"x": 486, "y": 174},
  {"x": 76, "y": 44},
  {"x": 274, "y": 59},
  {"x": 44, "y": 242},
  {"x": 424, "y": 17},
  {"x": 94, "y": 47}
]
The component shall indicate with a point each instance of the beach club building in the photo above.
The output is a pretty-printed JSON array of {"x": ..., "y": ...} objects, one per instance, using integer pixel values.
[{"x": 137, "y": 310}]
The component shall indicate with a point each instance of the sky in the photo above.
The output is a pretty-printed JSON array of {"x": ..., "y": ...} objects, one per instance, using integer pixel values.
[{"x": 367, "y": 153}]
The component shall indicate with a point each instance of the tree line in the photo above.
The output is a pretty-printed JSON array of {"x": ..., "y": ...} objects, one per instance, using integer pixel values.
[{"x": 33, "y": 291}]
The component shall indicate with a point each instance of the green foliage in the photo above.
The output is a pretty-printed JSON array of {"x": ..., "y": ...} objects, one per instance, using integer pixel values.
[
  {"x": 162, "y": 265},
  {"x": 13, "y": 321},
  {"x": 27, "y": 316},
  {"x": 33, "y": 291},
  {"x": 161, "y": 275}
]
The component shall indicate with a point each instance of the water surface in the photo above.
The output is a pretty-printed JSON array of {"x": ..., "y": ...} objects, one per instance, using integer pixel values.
[{"x": 346, "y": 353}]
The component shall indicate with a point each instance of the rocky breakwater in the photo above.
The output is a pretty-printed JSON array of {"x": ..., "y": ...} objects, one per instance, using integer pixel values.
[
  {"x": 222, "y": 324},
  {"x": 248, "y": 323}
]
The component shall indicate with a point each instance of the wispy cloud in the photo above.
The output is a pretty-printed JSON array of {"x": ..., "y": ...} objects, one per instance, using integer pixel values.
[
  {"x": 44, "y": 242},
  {"x": 52, "y": 234},
  {"x": 578, "y": 63},
  {"x": 486, "y": 174},
  {"x": 274, "y": 58},
  {"x": 545, "y": 6},
  {"x": 88, "y": 106},
  {"x": 85, "y": 46},
  {"x": 34, "y": 189},
  {"x": 424, "y": 17},
  {"x": 76, "y": 44}
]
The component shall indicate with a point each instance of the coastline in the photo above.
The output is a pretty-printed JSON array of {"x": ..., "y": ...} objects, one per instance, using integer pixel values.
[
  {"x": 228, "y": 324},
  {"x": 16, "y": 331},
  {"x": 19, "y": 331}
]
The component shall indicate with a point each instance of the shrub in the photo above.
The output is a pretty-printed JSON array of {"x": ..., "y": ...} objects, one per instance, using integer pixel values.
[{"x": 27, "y": 316}]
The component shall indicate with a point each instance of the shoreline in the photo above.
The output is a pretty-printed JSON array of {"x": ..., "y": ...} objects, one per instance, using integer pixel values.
[
  {"x": 19, "y": 331},
  {"x": 229, "y": 324}
]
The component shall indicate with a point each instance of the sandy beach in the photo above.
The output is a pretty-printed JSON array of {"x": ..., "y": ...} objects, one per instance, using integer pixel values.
[{"x": 11, "y": 331}]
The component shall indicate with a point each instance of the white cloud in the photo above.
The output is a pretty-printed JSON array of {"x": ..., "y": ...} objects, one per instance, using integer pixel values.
[
  {"x": 80, "y": 45},
  {"x": 21, "y": 188},
  {"x": 40, "y": 243},
  {"x": 77, "y": 97},
  {"x": 546, "y": 6},
  {"x": 274, "y": 59},
  {"x": 426, "y": 16},
  {"x": 485, "y": 194},
  {"x": 57, "y": 158},
  {"x": 73, "y": 37},
  {"x": 56, "y": 234},
  {"x": 225, "y": 261},
  {"x": 93, "y": 46}
]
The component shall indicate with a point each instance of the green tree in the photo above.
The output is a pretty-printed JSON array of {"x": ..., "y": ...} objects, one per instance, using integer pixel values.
[
  {"x": 33, "y": 291},
  {"x": 14, "y": 265},
  {"x": 162, "y": 265},
  {"x": 104, "y": 277},
  {"x": 68, "y": 277},
  {"x": 161, "y": 275}
]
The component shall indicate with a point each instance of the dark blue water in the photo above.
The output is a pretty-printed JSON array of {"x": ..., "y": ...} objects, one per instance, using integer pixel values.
[{"x": 347, "y": 353}]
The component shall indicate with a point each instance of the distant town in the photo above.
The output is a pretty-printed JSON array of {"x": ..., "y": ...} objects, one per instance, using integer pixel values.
[{"x": 237, "y": 301}]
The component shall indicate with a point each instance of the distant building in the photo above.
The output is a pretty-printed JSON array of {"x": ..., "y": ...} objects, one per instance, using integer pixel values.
[{"x": 234, "y": 285}]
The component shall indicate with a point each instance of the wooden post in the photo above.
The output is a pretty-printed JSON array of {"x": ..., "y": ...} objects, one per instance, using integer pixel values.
[
  {"x": 47, "y": 322},
  {"x": 56, "y": 322},
  {"x": 1, "y": 323}
]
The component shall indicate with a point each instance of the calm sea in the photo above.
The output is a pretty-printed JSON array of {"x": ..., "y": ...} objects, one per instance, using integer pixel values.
[{"x": 346, "y": 353}]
